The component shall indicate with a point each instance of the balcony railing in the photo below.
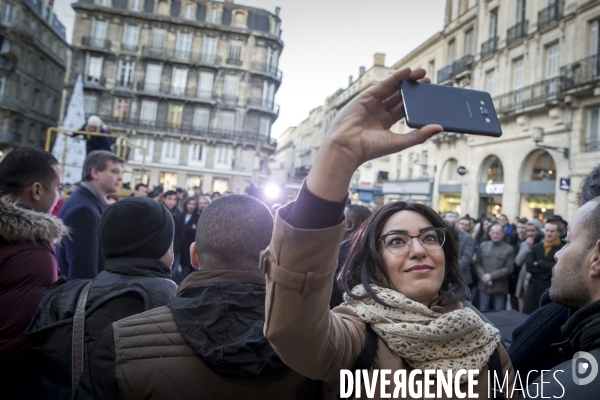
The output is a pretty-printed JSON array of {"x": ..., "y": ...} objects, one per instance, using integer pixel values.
[
  {"x": 489, "y": 47},
  {"x": 177, "y": 90},
  {"x": 517, "y": 32},
  {"x": 93, "y": 81},
  {"x": 204, "y": 94},
  {"x": 182, "y": 54},
  {"x": 96, "y": 42},
  {"x": 264, "y": 104},
  {"x": 579, "y": 73},
  {"x": 456, "y": 68},
  {"x": 186, "y": 129},
  {"x": 210, "y": 58},
  {"x": 550, "y": 14},
  {"x": 124, "y": 83},
  {"x": 229, "y": 98},
  {"x": 150, "y": 87},
  {"x": 234, "y": 61},
  {"x": 537, "y": 93},
  {"x": 129, "y": 46},
  {"x": 267, "y": 68}
]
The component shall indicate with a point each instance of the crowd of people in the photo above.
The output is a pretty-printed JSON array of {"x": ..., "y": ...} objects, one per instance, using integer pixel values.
[{"x": 160, "y": 295}]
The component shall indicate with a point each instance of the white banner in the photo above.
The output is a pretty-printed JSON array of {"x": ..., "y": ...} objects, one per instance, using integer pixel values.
[{"x": 75, "y": 147}]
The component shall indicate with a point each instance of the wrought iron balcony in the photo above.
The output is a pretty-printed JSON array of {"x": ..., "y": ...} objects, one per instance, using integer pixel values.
[
  {"x": 155, "y": 51},
  {"x": 129, "y": 46},
  {"x": 182, "y": 54},
  {"x": 550, "y": 14},
  {"x": 124, "y": 83},
  {"x": 489, "y": 47},
  {"x": 230, "y": 98},
  {"x": 149, "y": 87},
  {"x": 177, "y": 90},
  {"x": 537, "y": 93},
  {"x": 456, "y": 68},
  {"x": 204, "y": 94},
  {"x": 95, "y": 42},
  {"x": 94, "y": 81},
  {"x": 264, "y": 104},
  {"x": 517, "y": 32},
  {"x": 234, "y": 61},
  {"x": 267, "y": 68},
  {"x": 579, "y": 73}
]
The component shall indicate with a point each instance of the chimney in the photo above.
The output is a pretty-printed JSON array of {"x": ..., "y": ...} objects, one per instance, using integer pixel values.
[
  {"x": 379, "y": 59},
  {"x": 277, "y": 11},
  {"x": 350, "y": 80},
  {"x": 361, "y": 71}
]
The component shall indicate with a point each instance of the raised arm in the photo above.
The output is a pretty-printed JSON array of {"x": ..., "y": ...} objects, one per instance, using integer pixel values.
[{"x": 302, "y": 258}]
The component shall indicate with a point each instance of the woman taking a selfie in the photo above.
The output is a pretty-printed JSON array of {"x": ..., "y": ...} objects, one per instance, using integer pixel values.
[{"x": 401, "y": 277}]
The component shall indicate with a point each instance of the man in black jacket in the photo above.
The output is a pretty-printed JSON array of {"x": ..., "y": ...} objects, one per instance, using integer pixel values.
[
  {"x": 539, "y": 264},
  {"x": 576, "y": 284},
  {"x": 208, "y": 342},
  {"x": 136, "y": 236}
]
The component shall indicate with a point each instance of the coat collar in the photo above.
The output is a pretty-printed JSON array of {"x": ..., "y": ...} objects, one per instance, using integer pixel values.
[
  {"x": 22, "y": 224},
  {"x": 134, "y": 266},
  {"x": 202, "y": 277}
]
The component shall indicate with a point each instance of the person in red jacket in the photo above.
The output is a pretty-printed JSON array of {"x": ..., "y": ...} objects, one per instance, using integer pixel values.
[{"x": 30, "y": 182}]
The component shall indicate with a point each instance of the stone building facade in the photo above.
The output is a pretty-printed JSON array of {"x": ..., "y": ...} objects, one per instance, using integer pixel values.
[
  {"x": 33, "y": 60},
  {"x": 192, "y": 82},
  {"x": 539, "y": 61}
]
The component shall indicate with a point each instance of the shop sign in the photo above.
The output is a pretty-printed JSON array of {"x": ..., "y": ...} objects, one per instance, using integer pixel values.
[
  {"x": 461, "y": 170},
  {"x": 565, "y": 184},
  {"x": 494, "y": 188}
]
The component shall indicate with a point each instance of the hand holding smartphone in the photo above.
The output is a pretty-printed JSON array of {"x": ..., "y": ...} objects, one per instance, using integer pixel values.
[{"x": 456, "y": 109}]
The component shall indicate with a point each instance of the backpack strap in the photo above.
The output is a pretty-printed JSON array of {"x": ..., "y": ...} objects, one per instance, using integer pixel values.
[
  {"x": 77, "y": 354},
  {"x": 367, "y": 354},
  {"x": 495, "y": 364}
]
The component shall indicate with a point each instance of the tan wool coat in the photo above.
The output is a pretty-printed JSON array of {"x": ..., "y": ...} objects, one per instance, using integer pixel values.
[{"x": 316, "y": 342}]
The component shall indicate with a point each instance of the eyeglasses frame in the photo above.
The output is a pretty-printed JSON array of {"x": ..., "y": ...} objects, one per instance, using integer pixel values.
[{"x": 382, "y": 237}]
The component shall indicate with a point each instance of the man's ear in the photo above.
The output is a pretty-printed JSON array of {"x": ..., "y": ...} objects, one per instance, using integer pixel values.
[
  {"x": 350, "y": 225},
  {"x": 595, "y": 261},
  {"x": 194, "y": 256},
  {"x": 36, "y": 191}
]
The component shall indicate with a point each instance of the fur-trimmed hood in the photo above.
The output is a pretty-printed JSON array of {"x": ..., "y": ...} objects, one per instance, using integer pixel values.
[{"x": 18, "y": 224}]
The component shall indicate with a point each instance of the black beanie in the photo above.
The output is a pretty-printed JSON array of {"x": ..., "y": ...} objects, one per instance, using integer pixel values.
[{"x": 136, "y": 227}]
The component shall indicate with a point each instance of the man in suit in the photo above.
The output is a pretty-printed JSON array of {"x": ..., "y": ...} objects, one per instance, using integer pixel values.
[{"x": 79, "y": 257}]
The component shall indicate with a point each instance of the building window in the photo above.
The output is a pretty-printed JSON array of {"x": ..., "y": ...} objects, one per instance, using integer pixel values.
[
  {"x": 148, "y": 113},
  {"x": 226, "y": 122},
  {"x": 230, "y": 87},
  {"x": 451, "y": 51},
  {"x": 121, "y": 109},
  {"x": 157, "y": 41},
  {"x": 239, "y": 19},
  {"x": 197, "y": 154},
  {"x": 201, "y": 119},
  {"x": 8, "y": 11},
  {"x": 175, "y": 115},
  {"x": 469, "y": 42},
  {"x": 235, "y": 52},
  {"x": 552, "y": 55},
  {"x": 205, "y": 85},
  {"x": 178, "y": 81},
  {"x": 93, "y": 73},
  {"x": 490, "y": 81},
  {"x": 274, "y": 28},
  {"x": 189, "y": 11},
  {"x": 209, "y": 49},
  {"x": 5, "y": 47},
  {"x": 214, "y": 15},
  {"x": 153, "y": 75},
  {"x": 518, "y": 81},
  {"x": 454, "y": 12},
  {"x": 103, "y": 2},
  {"x": 183, "y": 46},
  {"x": 168, "y": 180},
  {"x": 223, "y": 157},
  {"x": 135, "y": 5},
  {"x": 131, "y": 35},
  {"x": 98, "y": 35},
  {"x": 520, "y": 10},
  {"x": 268, "y": 95},
  {"x": 144, "y": 144},
  {"x": 125, "y": 73},
  {"x": 2, "y": 86},
  {"x": 170, "y": 152},
  {"x": 90, "y": 104},
  {"x": 492, "y": 23},
  {"x": 593, "y": 133},
  {"x": 264, "y": 127}
]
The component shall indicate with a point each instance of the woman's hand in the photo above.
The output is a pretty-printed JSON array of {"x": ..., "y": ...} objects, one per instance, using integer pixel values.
[{"x": 361, "y": 132}]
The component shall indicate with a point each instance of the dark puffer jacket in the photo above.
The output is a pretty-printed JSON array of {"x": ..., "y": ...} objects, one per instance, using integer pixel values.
[
  {"x": 27, "y": 267},
  {"x": 126, "y": 287},
  {"x": 207, "y": 343}
]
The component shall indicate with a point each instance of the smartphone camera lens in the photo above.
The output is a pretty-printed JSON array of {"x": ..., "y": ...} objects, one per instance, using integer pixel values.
[{"x": 484, "y": 111}]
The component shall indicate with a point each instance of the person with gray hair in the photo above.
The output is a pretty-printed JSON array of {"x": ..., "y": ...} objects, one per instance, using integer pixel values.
[
  {"x": 79, "y": 257},
  {"x": 94, "y": 125}
]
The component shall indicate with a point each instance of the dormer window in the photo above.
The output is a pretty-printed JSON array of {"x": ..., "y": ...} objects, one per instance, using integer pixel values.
[
  {"x": 214, "y": 14},
  {"x": 189, "y": 11}
]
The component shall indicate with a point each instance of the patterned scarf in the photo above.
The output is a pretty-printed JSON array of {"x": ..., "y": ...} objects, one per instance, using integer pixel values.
[{"x": 424, "y": 338}]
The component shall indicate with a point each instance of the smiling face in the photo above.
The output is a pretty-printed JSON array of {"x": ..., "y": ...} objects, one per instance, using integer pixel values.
[{"x": 418, "y": 274}]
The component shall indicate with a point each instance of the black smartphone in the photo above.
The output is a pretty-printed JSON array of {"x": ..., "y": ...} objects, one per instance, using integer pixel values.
[{"x": 455, "y": 109}]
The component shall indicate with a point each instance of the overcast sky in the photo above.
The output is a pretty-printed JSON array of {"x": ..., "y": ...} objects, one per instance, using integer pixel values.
[{"x": 326, "y": 41}]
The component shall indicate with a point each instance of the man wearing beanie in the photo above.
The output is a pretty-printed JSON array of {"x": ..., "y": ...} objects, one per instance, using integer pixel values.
[
  {"x": 136, "y": 237},
  {"x": 94, "y": 125},
  {"x": 208, "y": 342}
]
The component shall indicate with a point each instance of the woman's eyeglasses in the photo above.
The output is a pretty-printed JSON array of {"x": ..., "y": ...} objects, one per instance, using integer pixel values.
[{"x": 399, "y": 243}]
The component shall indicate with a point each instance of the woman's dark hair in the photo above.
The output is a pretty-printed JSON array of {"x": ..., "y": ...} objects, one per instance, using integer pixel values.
[
  {"x": 480, "y": 231},
  {"x": 185, "y": 203},
  {"x": 364, "y": 263}
]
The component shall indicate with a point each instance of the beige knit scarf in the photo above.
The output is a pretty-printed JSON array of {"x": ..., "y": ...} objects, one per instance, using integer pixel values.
[{"x": 424, "y": 338}]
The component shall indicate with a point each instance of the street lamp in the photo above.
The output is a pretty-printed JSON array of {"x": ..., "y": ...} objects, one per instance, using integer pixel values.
[{"x": 538, "y": 137}]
